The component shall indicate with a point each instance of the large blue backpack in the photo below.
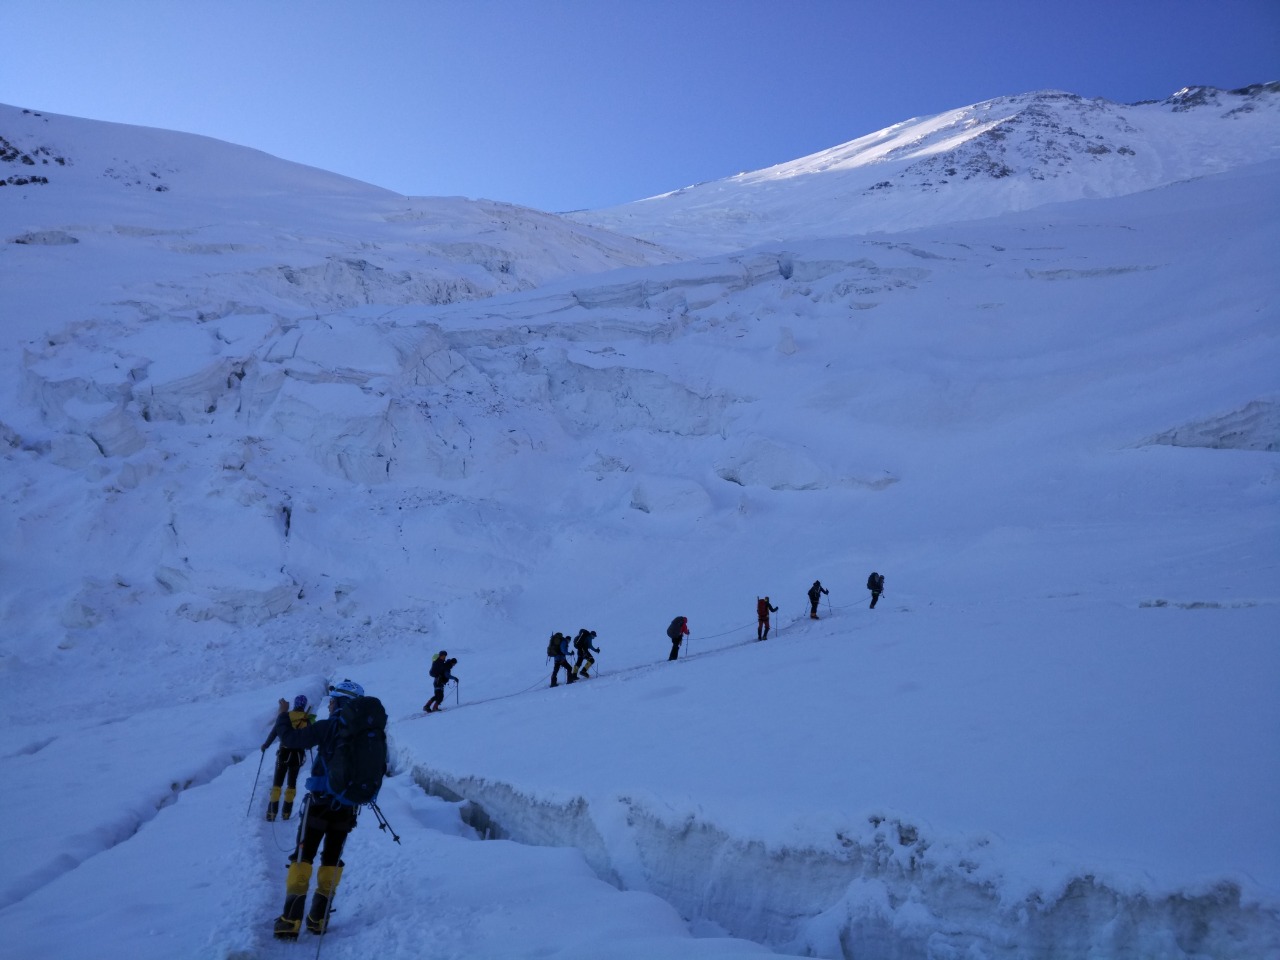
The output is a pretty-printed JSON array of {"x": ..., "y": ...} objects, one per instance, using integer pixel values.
[{"x": 354, "y": 758}]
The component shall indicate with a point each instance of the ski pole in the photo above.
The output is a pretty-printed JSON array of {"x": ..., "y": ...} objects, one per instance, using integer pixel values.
[
  {"x": 457, "y": 696},
  {"x": 254, "y": 793}
]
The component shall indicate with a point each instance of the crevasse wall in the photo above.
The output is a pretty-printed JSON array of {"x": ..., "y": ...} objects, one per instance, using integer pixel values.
[{"x": 883, "y": 894}]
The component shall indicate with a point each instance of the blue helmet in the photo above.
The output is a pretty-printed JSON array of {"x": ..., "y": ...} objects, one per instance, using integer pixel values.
[
  {"x": 347, "y": 688},
  {"x": 300, "y": 702}
]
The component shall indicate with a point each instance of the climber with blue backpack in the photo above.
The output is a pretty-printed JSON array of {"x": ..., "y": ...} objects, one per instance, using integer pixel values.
[
  {"x": 351, "y": 760},
  {"x": 558, "y": 649}
]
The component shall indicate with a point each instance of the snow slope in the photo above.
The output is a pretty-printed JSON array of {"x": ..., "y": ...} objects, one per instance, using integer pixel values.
[
  {"x": 188, "y": 224},
  {"x": 1011, "y": 153},
  {"x": 1053, "y": 430}
]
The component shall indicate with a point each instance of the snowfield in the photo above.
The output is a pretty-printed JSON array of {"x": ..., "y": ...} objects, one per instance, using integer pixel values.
[{"x": 266, "y": 428}]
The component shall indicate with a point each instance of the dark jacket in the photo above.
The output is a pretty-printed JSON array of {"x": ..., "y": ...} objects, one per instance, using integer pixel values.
[
  {"x": 319, "y": 734},
  {"x": 442, "y": 670},
  {"x": 816, "y": 591},
  {"x": 297, "y": 719}
]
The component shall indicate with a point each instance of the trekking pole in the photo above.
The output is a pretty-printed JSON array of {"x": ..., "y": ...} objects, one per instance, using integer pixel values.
[
  {"x": 328, "y": 911},
  {"x": 457, "y": 695},
  {"x": 382, "y": 822},
  {"x": 254, "y": 793},
  {"x": 328, "y": 903},
  {"x": 302, "y": 829}
]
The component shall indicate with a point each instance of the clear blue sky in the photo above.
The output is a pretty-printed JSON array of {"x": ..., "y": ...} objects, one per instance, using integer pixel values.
[{"x": 564, "y": 104}]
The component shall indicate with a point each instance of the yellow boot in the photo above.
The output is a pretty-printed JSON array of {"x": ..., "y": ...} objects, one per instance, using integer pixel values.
[
  {"x": 327, "y": 879},
  {"x": 274, "y": 806},
  {"x": 296, "y": 882}
]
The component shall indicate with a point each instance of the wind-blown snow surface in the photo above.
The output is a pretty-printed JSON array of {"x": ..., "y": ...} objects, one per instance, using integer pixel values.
[
  {"x": 1054, "y": 431},
  {"x": 1011, "y": 153}
]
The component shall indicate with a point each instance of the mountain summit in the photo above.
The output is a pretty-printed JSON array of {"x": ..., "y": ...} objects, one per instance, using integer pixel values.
[{"x": 1010, "y": 153}]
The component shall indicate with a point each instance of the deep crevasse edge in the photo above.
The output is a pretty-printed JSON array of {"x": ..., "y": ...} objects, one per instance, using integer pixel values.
[{"x": 878, "y": 894}]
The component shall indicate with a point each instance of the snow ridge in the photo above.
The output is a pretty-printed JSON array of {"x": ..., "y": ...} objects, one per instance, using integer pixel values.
[{"x": 1010, "y": 153}]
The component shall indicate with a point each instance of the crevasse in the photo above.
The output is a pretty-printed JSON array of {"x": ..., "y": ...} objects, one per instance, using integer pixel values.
[{"x": 880, "y": 894}]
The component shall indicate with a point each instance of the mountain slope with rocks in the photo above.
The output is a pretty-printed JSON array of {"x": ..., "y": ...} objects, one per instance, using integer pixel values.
[{"x": 1007, "y": 154}]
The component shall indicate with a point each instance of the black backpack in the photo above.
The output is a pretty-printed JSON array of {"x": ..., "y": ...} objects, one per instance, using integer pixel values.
[
  {"x": 356, "y": 760},
  {"x": 875, "y": 582},
  {"x": 676, "y": 630},
  {"x": 553, "y": 645}
]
